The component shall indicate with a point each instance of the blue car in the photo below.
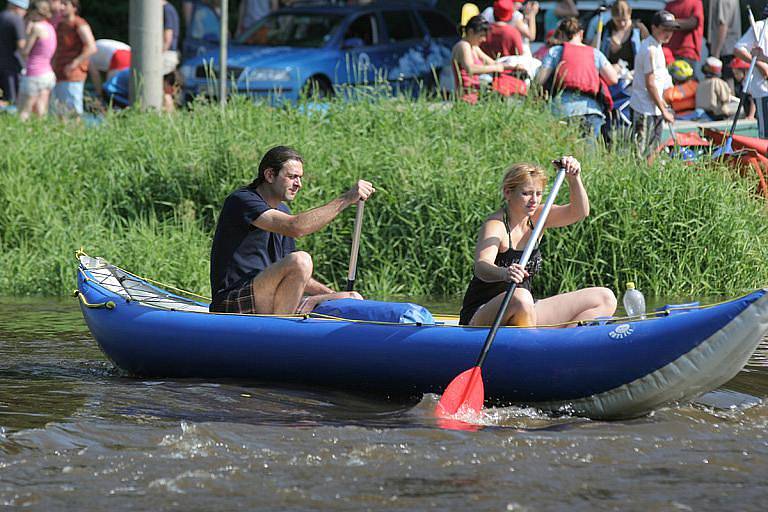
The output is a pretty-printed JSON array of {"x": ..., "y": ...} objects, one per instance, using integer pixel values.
[{"x": 323, "y": 50}]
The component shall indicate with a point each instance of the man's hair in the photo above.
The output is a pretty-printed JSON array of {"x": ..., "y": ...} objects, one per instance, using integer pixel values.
[{"x": 274, "y": 159}]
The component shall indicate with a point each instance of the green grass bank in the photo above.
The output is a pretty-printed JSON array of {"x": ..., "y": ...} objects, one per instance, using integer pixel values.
[{"x": 144, "y": 191}]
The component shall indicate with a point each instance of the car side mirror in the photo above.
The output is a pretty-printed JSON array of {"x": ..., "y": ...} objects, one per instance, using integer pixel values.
[{"x": 353, "y": 42}]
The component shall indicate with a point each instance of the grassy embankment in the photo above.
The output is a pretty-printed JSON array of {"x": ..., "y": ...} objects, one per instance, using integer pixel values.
[{"x": 143, "y": 191}]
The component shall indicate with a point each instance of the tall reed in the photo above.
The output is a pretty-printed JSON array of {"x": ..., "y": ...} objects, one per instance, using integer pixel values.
[{"x": 144, "y": 191}]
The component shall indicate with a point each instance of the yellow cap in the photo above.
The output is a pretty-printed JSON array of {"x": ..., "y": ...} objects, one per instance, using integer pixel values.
[{"x": 630, "y": 285}]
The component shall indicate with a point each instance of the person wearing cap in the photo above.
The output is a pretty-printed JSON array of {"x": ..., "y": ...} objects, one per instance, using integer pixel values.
[
  {"x": 682, "y": 95},
  {"x": 685, "y": 42},
  {"x": 649, "y": 111},
  {"x": 758, "y": 88},
  {"x": 713, "y": 95},
  {"x": 75, "y": 45},
  {"x": 723, "y": 30},
  {"x": 12, "y": 37},
  {"x": 503, "y": 39},
  {"x": 739, "y": 68}
]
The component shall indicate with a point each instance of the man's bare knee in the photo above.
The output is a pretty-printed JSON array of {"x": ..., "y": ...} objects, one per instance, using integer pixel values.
[{"x": 300, "y": 261}]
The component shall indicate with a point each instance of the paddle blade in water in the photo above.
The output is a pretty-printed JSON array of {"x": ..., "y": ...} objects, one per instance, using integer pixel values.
[{"x": 465, "y": 394}]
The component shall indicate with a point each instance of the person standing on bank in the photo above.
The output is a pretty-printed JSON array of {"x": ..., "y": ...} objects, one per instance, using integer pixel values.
[
  {"x": 723, "y": 30},
  {"x": 758, "y": 87},
  {"x": 649, "y": 111},
  {"x": 74, "y": 47},
  {"x": 11, "y": 41},
  {"x": 39, "y": 80},
  {"x": 500, "y": 247},
  {"x": 255, "y": 267}
]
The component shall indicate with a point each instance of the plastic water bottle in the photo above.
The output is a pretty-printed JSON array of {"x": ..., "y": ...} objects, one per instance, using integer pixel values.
[{"x": 634, "y": 302}]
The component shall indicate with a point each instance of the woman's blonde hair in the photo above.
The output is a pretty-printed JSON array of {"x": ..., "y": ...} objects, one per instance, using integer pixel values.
[
  {"x": 41, "y": 10},
  {"x": 518, "y": 175}
]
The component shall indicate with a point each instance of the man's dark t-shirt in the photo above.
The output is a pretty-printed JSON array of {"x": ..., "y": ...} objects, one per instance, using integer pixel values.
[
  {"x": 241, "y": 250},
  {"x": 11, "y": 31},
  {"x": 171, "y": 22}
]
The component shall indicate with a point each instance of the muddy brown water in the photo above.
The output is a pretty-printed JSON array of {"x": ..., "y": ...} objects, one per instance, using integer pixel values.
[{"x": 76, "y": 435}]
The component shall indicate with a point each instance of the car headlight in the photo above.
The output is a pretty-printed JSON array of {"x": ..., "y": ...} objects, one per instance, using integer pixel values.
[{"x": 267, "y": 75}]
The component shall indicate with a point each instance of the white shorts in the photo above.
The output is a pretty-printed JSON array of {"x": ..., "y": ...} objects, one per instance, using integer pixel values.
[{"x": 35, "y": 85}]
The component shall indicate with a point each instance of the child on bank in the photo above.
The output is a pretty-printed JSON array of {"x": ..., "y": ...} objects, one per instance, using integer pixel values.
[
  {"x": 649, "y": 111},
  {"x": 713, "y": 95},
  {"x": 682, "y": 95}
]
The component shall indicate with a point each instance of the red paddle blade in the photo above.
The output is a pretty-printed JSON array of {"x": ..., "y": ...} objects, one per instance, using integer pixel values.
[{"x": 465, "y": 393}]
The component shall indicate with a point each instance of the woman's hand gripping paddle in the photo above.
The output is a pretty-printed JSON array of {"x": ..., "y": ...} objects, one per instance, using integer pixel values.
[
  {"x": 355, "y": 246},
  {"x": 466, "y": 393}
]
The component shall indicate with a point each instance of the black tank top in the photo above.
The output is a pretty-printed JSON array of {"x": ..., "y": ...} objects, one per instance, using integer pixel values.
[{"x": 480, "y": 292}]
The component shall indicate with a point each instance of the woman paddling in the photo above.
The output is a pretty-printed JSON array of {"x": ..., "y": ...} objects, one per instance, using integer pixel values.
[{"x": 500, "y": 246}]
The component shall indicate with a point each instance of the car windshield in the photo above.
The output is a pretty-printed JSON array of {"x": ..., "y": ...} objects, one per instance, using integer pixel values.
[{"x": 310, "y": 30}]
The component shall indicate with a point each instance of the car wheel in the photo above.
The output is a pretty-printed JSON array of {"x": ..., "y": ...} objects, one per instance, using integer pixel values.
[{"x": 317, "y": 87}]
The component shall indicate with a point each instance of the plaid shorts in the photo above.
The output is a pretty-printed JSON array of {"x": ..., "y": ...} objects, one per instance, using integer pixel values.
[{"x": 240, "y": 301}]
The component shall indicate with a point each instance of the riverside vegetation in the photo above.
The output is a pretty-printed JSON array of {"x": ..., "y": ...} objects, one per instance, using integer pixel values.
[{"x": 144, "y": 190}]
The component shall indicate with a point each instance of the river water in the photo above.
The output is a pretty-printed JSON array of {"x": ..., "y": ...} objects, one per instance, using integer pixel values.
[{"x": 76, "y": 435}]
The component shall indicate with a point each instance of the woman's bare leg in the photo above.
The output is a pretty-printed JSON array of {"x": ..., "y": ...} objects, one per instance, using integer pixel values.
[
  {"x": 42, "y": 103},
  {"x": 584, "y": 304},
  {"x": 26, "y": 106},
  {"x": 520, "y": 311}
]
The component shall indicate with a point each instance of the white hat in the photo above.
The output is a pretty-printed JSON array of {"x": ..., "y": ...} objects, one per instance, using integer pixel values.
[
  {"x": 714, "y": 65},
  {"x": 24, "y": 4}
]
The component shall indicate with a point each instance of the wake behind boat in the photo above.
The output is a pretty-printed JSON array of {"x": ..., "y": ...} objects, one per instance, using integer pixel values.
[{"x": 621, "y": 369}]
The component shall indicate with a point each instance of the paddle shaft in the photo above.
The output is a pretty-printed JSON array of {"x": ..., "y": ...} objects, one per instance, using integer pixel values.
[
  {"x": 748, "y": 80},
  {"x": 600, "y": 11},
  {"x": 355, "y": 246},
  {"x": 523, "y": 262}
]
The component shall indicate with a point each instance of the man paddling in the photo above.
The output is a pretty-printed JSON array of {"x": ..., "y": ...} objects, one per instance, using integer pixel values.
[{"x": 255, "y": 267}]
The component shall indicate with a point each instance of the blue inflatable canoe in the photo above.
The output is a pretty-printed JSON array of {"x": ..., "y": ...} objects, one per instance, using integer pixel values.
[{"x": 621, "y": 369}]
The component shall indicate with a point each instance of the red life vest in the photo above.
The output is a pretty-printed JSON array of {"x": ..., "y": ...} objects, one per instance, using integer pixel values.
[{"x": 577, "y": 72}]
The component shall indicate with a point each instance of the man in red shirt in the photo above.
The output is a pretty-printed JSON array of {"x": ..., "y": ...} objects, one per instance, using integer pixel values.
[
  {"x": 686, "y": 42},
  {"x": 503, "y": 39}
]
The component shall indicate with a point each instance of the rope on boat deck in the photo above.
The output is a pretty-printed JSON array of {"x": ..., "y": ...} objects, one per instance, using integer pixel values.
[{"x": 320, "y": 316}]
